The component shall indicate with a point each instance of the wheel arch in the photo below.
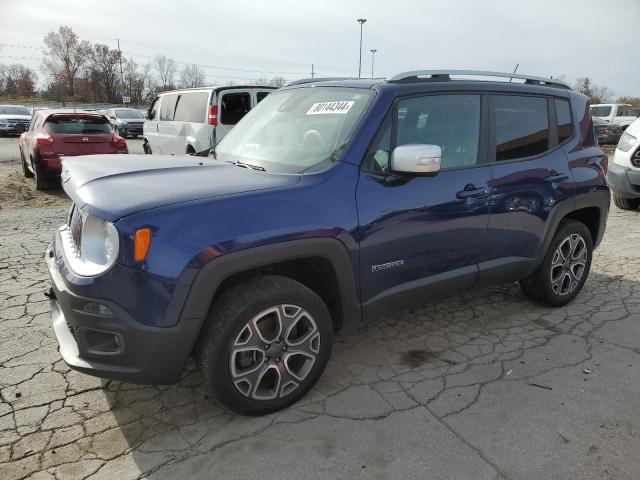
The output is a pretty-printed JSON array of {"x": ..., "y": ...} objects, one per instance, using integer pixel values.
[{"x": 322, "y": 264}]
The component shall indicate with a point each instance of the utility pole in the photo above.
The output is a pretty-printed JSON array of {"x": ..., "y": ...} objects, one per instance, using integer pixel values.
[
  {"x": 373, "y": 57},
  {"x": 312, "y": 72},
  {"x": 121, "y": 74},
  {"x": 361, "y": 22}
]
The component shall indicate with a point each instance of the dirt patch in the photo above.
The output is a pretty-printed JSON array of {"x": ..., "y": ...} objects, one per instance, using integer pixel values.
[
  {"x": 19, "y": 192},
  {"x": 417, "y": 358}
]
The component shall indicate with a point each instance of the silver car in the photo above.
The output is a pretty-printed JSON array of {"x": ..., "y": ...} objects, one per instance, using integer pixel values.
[{"x": 14, "y": 119}]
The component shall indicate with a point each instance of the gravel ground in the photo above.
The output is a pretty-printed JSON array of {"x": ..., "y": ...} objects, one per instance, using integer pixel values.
[{"x": 483, "y": 385}]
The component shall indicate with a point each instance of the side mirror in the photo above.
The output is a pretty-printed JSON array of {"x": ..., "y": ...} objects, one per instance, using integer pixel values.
[{"x": 418, "y": 159}]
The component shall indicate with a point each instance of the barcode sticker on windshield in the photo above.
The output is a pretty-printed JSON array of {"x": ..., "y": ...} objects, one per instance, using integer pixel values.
[{"x": 330, "y": 107}]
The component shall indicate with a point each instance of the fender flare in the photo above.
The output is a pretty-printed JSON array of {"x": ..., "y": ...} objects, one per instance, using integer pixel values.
[
  {"x": 599, "y": 200},
  {"x": 211, "y": 275}
]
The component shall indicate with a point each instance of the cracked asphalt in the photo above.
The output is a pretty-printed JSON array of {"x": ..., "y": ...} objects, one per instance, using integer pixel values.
[{"x": 482, "y": 385}]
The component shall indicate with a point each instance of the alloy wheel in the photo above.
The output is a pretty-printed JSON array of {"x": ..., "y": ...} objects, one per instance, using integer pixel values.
[
  {"x": 274, "y": 352},
  {"x": 568, "y": 264}
]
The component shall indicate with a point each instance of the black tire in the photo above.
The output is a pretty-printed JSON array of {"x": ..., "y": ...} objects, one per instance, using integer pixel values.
[
  {"x": 539, "y": 287},
  {"x": 146, "y": 148},
  {"x": 626, "y": 203},
  {"x": 229, "y": 317},
  {"x": 25, "y": 168},
  {"x": 43, "y": 181}
]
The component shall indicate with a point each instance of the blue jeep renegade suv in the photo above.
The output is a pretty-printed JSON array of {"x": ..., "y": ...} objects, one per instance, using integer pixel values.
[{"x": 330, "y": 200}]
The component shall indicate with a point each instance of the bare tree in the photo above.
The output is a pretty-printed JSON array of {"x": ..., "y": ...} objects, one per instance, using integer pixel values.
[
  {"x": 278, "y": 82},
  {"x": 262, "y": 82},
  {"x": 166, "y": 69},
  {"x": 192, "y": 76},
  {"x": 584, "y": 86},
  {"x": 596, "y": 93},
  {"x": 103, "y": 72},
  {"x": 17, "y": 80},
  {"x": 601, "y": 94},
  {"x": 65, "y": 56}
]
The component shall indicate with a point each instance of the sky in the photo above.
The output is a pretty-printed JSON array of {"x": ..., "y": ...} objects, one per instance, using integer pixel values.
[{"x": 244, "y": 40}]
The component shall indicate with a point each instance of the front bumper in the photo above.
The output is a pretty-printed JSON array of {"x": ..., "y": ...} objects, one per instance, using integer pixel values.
[
  {"x": 130, "y": 129},
  {"x": 17, "y": 128},
  {"x": 114, "y": 346},
  {"x": 623, "y": 181}
]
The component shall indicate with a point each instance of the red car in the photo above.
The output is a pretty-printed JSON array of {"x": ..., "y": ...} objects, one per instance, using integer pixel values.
[{"x": 54, "y": 134}]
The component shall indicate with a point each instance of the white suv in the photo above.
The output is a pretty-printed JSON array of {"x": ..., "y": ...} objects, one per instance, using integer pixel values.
[
  {"x": 624, "y": 172},
  {"x": 621, "y": 114},
  {"x": 194, "y": 120}
]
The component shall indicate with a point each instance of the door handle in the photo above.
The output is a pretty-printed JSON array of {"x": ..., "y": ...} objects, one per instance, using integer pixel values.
[
  {"x": 556, "y": 177},
  {"x": 471, "y": 191}
]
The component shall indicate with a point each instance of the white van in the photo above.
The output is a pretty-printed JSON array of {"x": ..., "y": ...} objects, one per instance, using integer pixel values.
[{"x": 193, "y": 120}]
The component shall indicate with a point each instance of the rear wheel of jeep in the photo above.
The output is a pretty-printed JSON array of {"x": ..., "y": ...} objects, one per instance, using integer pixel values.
[
  {"x": 564, "y": 268},
  {"x": 626, "y": 203},
  {"x": 266, "y": 343}
]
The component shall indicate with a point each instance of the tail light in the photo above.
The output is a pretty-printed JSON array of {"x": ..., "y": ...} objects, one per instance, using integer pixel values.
[
  {"x": 118, "y": 141},
  {"x": 43, "y": 138},
  {"x": 605, "y": 164},
  {"x": 213, "y": 114}
]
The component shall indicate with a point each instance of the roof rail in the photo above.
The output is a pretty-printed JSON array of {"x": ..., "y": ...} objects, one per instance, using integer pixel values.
[
  {"x": 445, "y": 75},
  {"x": 318, "y": 79}
]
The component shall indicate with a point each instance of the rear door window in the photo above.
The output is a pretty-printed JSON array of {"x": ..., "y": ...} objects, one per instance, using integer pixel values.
[
  {"x": 563, "y": 120},
  {"x": 192, "y": 107},
  {"x": 521, "y": 126},
  {"x": 78, "y": 125},
  {"x": 234, "y": 106},
  {"x": 168, "y": 107}
]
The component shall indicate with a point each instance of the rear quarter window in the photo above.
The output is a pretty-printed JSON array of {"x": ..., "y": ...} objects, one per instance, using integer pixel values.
[
  {"x": 521, "y": 126},
  {"x": 563, "y": 120},
  {"x": 79, "y": 125},
  {"x": 192, "y": 107}
]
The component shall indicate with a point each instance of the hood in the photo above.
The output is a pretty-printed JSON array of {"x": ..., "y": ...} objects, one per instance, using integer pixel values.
[
  {"x": 7, "y": 116},
  {"x": 114, "y": 186}
]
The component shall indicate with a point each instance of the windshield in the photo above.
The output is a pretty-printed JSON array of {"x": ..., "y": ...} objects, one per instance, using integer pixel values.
[
  {"x": 600, "y": 111},
  {"x": 128, "y": 113},
  {"x": 293, "y": 130},
  {"x": 14, "y": 111}
]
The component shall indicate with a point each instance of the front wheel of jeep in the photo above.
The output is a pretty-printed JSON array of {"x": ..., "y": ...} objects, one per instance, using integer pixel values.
[
  {"x": 266, "y": 343},
  {"x": 565, "y": 267}
]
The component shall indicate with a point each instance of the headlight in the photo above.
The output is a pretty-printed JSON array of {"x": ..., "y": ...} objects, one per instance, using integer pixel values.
[
  {"x": 627, "y": 142},
  {"x": 98, "y": 245}
]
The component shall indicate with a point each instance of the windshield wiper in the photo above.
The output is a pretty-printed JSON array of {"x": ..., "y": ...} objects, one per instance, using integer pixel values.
[{"x": 248, "y": 165}]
